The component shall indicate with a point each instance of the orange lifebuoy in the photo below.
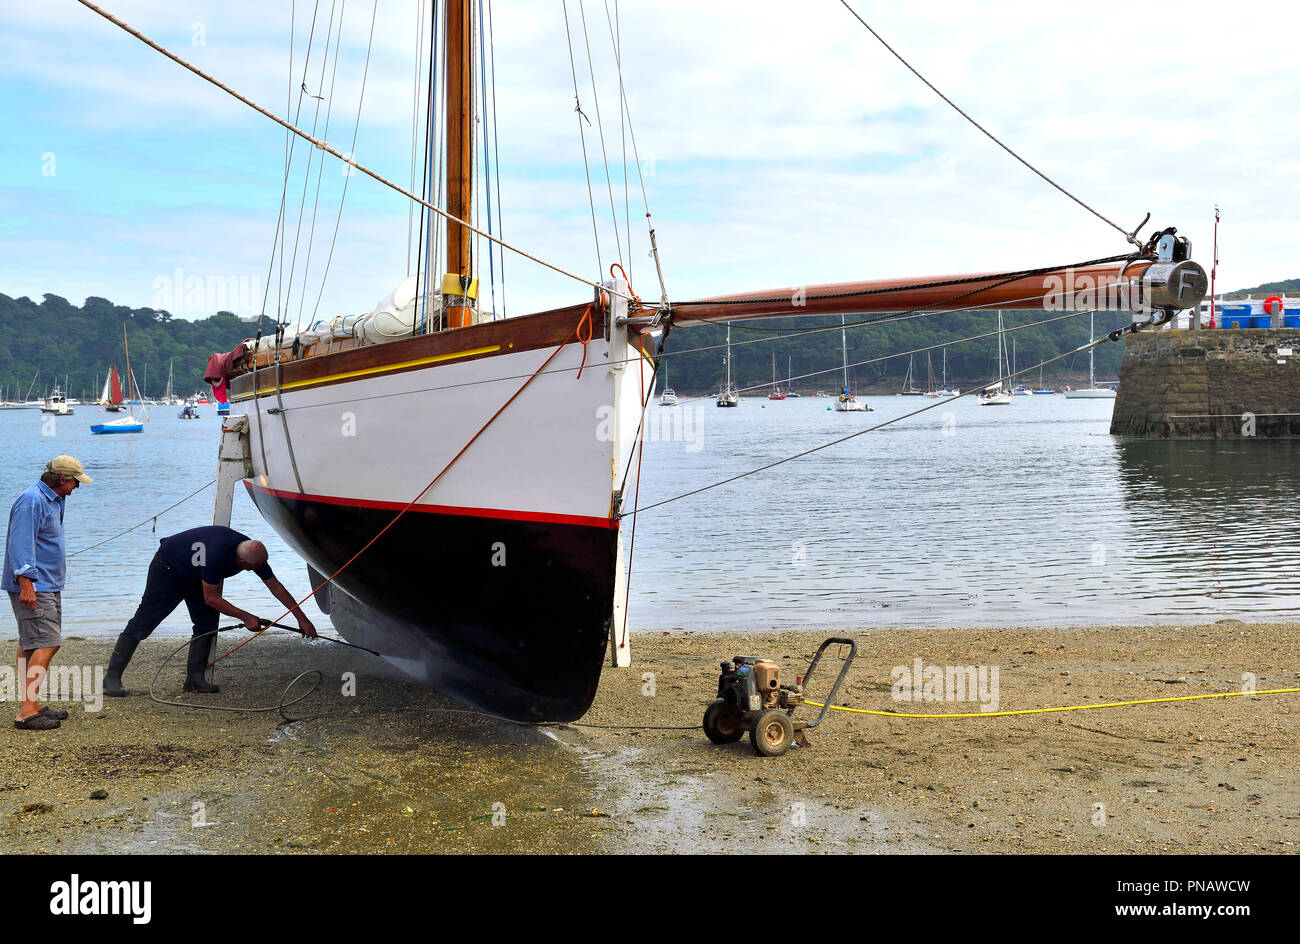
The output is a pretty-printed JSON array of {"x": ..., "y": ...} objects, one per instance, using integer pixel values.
[{"x": 1269, "y": 303}]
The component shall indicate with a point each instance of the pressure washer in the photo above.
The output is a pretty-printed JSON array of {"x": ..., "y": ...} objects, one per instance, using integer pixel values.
[{"x": 751, "y": 698}]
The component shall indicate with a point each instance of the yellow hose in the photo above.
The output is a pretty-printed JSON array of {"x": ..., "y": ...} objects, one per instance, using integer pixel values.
[{"x": 1041, "y": 711}]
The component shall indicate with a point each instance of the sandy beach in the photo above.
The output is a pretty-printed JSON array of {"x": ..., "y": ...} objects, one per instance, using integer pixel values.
[{"x": 378, "y": 764}]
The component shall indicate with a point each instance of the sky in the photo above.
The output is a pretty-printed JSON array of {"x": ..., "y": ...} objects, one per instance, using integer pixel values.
[{"x": 780, "y": 144}]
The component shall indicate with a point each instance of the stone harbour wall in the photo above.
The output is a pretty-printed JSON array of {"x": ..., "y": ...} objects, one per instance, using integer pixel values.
[{"x": 1220, "y": 384}]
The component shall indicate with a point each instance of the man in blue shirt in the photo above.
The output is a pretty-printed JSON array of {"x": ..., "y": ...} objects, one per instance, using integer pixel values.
[
  {"x": 33, "y": 576},
  {"x": 190, "y": 567}
]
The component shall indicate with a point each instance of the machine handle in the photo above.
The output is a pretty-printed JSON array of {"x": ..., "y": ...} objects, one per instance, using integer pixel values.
[{"x": 830, "y": 699}]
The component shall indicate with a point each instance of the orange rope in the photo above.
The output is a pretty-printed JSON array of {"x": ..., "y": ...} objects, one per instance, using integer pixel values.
[{"x": 586, "y": 318}]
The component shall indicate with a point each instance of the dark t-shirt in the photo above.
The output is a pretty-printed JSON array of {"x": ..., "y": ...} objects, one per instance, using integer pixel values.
[{"x": 206, "y": 554}]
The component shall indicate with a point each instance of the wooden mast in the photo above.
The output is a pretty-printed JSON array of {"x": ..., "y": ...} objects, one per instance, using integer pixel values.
[{"x": 459, "y": 287}]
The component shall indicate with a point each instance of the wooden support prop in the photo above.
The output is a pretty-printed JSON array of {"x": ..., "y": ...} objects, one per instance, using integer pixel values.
[{"x": 234, "y": 464}]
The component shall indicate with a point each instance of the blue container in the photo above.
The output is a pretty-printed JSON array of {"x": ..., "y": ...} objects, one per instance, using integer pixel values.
[
  {"x": 1261, "y": 321},
  {"x": 1235, "y": 316},
  {"x": 1291, "y": 321}
]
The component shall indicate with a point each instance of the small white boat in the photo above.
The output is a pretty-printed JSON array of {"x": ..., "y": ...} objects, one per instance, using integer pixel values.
[
  {"x": 669, "y": 397},
  {"x": 848, "y": 403},
  {"x": 57, "y": 404}
]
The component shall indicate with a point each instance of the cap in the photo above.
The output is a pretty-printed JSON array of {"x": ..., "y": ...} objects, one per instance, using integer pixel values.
[{"x": 66, "y": 465}]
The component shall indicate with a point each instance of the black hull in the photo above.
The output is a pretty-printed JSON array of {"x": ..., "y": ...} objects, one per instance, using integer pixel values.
[{"x": 510, "y": 616}]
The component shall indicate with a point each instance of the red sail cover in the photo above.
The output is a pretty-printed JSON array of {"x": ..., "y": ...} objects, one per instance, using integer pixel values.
[
  {"x": 115, "y": 389},
  {"x": 222, "y": 367}
]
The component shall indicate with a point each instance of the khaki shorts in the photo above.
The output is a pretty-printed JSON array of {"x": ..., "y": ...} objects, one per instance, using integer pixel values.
[{"x": 41, "y": 628}]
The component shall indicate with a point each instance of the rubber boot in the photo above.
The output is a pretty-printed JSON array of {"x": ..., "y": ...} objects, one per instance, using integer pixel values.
[
  {"x": 197, "y": 665},
  {"x": 122, "y": 653}
]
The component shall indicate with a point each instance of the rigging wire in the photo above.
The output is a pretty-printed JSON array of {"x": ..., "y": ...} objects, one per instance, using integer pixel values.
[
  {"x": 280, "y": 323},
  {"x": 921, "y": 350},
  {"x": 577, "y": 106},
  {"x": 1131, "y": 237},
  {"x": 154, "y": 518},
  {"x": 496, "y": 156},
  {"x": 415, "y": 110},
  {"x": 616, "y": 43},
  {"x": 284, "y": 190},
  {"x": 320, "y": 167},
  {"x": 329, "y": 149},
  {"x": 600, "y": 127},
  {"x": 636, "y": 155},
  {"x": 1113, "y": 336},
  {"x": 365, "y": 72},
  {"x": 487, "y": 172},
  {"x": 306, "y": 177},
  {"x": 426, "y": 184}
]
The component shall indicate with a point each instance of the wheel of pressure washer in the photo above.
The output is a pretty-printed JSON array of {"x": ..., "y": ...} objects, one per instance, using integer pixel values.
[
  {"x": 720, "y": 725},
  {"x": 772, "y": 733}
]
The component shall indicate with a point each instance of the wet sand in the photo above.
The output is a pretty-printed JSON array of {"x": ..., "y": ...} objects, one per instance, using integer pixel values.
[{"x": 396, "y": 768}]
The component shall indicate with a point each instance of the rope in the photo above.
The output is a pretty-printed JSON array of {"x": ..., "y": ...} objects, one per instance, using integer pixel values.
[
  {"x": 1043, "y": 711},
  {"x": 1113, "y": 336},
  {"x": 326, "y": 147},
  {"x": 153, "y": 518},
  {"x": 577, "y": 333},
  {"x": 1131, "y": 237}
]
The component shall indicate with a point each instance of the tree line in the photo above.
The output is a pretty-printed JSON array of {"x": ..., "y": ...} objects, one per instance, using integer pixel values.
[{"x": 57, "y": 342}]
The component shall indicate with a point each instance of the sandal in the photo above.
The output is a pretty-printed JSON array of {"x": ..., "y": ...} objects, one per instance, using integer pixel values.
[
  {"x": 58, "y": 714},
  {"x": 38, "y": 722}
]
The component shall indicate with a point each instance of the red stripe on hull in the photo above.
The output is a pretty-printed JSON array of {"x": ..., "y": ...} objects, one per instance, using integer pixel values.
[{"x": 502, "y": 513}]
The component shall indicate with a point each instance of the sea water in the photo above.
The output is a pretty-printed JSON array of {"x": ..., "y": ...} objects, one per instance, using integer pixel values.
[{"x": 1028, "y": 515}]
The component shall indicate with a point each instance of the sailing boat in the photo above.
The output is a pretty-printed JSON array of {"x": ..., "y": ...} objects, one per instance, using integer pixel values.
[
  {"x": 728, "y": 395},
  {"x": 789, "y": 378},
  {"x": 776, "y": 393},
  {"x": 473, "y": 439},
  {"x": 947, "y": 391},
  {"x": 126, "y": 424},
  {"x": 169, "y": 396},
  {"x": 847, "y": 402},
  {"x": 909, "y": 388},
  {"x": 111, "y": 398},
  {"x": 1092, "y": 391},
  {"x": 1000, "y": 395},
  {"x": 669, "y": 397}
]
